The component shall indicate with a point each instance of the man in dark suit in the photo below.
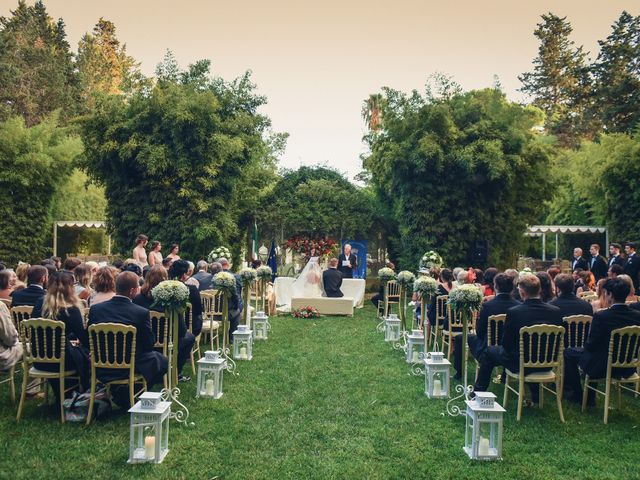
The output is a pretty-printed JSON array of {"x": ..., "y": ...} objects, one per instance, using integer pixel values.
[
  {"x": 235, "y": 301},
  {"x": 150, "y": 364},
  {"x": 597, "y": 264},
  {"x": 568, "y": 303},
  {"x": 332, "y": 280},
  {"x": 502, "y": 302},
  {"x": 632, "y": 266},
  {"x": 592, "y": 359},
  {"x": 533, "y": 311},
  {"x": 203, "y": 277},
  {"x": 347, "y": 262},
  {"x": 614, "y": 255},
  {"x": 37, "y": 278},
  {"x": 578, "y": 261}
]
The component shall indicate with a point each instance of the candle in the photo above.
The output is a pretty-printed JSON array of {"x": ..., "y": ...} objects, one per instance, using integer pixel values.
[
  {"x": 243, "y": 353},
  {"x": 150, "y": 447},
  {"x": 437, "y": 388},
  {"x": 259, "y": 334},
  {"x": 209, "y": 387},
  {"x": 415, "y": 359},
  {"x": 483, "y": 447}
]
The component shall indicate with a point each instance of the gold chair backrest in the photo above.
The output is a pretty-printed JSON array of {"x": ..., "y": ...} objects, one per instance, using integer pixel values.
[
  {"x": 623, "y": 348},
  {"x": 85, "y": 316},
  {"x": 393, "y": 290},
  {"x": 441, "y": 306},
  {"x": 541, "y": 346},
  {"x": 160, "y": 329},
  {"x": 188, "y": 317},
  {"x": 218, "y": 300},
  {"x": 577, "y": 329},
  {"x": 495, "y": 328},
  {"x": 19, "y": 314},
  {"x": 455, "y": 318},
  {"x": 45, "y": 339},
  {"x": 207, "y": 299},
  {"x": 112, "y": 345}
]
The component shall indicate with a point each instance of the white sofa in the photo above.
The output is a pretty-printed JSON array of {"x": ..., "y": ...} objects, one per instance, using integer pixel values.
[{"x": 325, "y": 305}]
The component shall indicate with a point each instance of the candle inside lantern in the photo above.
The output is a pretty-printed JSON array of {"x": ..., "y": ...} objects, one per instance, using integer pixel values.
[
  {"x": 259, "y": 334},
  {"x": 483, "y": 447},
  {"x": 437, "y": 388},
  {"x": 243, "y": 353},
  {"x": 150, "y": 447},
  {"x": 209, "y": 387},
  {"x": 415, "y": 357}
]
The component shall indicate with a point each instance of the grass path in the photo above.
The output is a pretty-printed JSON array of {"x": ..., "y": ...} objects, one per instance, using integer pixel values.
[{"x": 324, "y": 398}]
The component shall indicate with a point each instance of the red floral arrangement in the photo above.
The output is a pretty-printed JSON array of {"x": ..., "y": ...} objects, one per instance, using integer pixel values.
[
  {"x": 306, "y": 312},
  {"x": 312, "y": 247}
]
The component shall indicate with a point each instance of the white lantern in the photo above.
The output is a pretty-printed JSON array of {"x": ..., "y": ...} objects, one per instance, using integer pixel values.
[
  {"x": 149, "y": 438},
  {"x": 210, "y": 371},
  {"x": 483, "y": 434},
  {"x": 415, "y": 346},
  {"x": 392, "y": 328},
  {"x": 260, "y": 326},
  {"x": 242, "y": 343},
  {"x": 436, "y": 375}
]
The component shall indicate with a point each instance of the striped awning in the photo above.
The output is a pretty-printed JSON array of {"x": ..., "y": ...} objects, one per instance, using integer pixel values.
[
  {"x": 540, "y": 229},
  {"x": 81, "y": 223}
]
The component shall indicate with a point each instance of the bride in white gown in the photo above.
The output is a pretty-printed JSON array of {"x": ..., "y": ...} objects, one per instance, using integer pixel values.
[{"x": 309, "y": 282}]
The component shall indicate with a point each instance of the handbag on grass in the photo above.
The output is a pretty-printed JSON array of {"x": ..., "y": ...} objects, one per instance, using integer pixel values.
[{"x": 76, "y": 408}]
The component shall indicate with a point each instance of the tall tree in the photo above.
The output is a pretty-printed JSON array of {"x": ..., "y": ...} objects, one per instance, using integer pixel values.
[
  {"x": 36, "y": 65},
  {"x": 617, "y": 76},
  {"x": 559, "y": 83}
]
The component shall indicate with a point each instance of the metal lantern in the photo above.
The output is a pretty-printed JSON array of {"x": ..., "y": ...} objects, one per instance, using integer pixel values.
[
  {"x": 483, "y": 434},
  {"x": 210, "y": 374},
  {"x": 415, "y": 346},
  {"x": 392, "y": 328},
  {"x": 149, "y": 438},
  {"x": 242, "y": 343},
  {"x": 260, "y": 326},
  {"x": 436, "y": 375}
]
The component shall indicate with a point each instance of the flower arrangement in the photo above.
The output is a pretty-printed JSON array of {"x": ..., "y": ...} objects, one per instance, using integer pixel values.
[
  {"x": 405, "y": 278},
  {"x": 431, "y": 259},
  {"x": 170, "y": 294},
  {"x": 386, "y": 274},
  {"x": 426, "y": 286},
  {"x": 248, "y": 276},
  {"x": 225, "y": 281},
  {"x": 312, "y": 247},
  {"x": 264, "y": 272},
  {"x": 306, "y": 312},
  {"x": 217, "y": 253},
  {"x": 465, "y": 298}
]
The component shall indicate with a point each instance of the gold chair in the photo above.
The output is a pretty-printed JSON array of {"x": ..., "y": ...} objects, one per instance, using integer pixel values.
[
  {"x": 160, "y": 329},
  {"x": 577, "y": 329},
  {"x": 211, "y": 316},
  {"x": 541, "y": 346},
  {"x": 454, "y": 329},
  {"x": 188, "y": 318},
  {"x": 623, "y": 353},
  {"x": 113, "y": 346},
  {"x": 441, "y": 308},
  {"x": 11, "y": 381},
  {"x": 19, "y": 314},
  {"x": 44, "y": 342},
  {"x": 392, "y": 297},
  {"x": 495, "y": 328},
  {"x": 85, "y": 316}
]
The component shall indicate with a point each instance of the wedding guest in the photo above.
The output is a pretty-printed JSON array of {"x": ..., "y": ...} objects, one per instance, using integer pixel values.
[
  {"x": 347, "y": 262},
  {"x": 533, "y": 311},
  {"x": 592, "y": 359},
  {"x": 104, "y": 284},
  {"x": 139, "y": 252},
  {"x": 578, "y": 261},
  {"x": 173, "y": 252},
  {"x": 83, "y": 281},
  {"x": 434, "y": 272},
  {"x": 547, "y": 287},
  {"x": 134, "y": 268},
  {"x": 203, "y": 277},
  {"x": 601, "y": 302},
  {"x": 256, "y": 263},
  {"x": 235, "y": 300},
  {"x": 597, "y": 264},
  {"x": 62, "y": 303},
  {"x": 632, "y": 266},
  {"x": 93, "y": 266},
  {"x": 586, "y": 282},
  {"x": 71, "y": 263},
  {"x": 568, "y": 303},
  {"x": 615, "y": 270},
  {"x": 190, "y": 280},
  {"x": 488, "y": 280},
  {"x": 332, "y": 280},
  {"x": 215, "y": 268},
  {"x": 155, "y": 255},
  {"x": 10, "y": 346},
  {"x": 627, "y": 279},
  {"x": 166, "y": 262},
  {"x": 37, "y": 277},
  {"x": 553, "y": 271},
  {"x": 156, "y": 274},
  {"x": 57, "y": 261},
  {"x": 118, "y": 264},
  {"x": 513, "y": 273},
  {"x": 5, "y": 284},
  {"x": 614, "y": 255},
  {"x": 456, "y": 272},
  {"x": 444, "y": 287},
  {"x": 21, "y": 274}
]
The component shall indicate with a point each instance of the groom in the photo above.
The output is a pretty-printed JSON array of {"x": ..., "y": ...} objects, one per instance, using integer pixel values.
[
  {"x": 347, "y": 262},
  {"x": 332, "y": 280}
]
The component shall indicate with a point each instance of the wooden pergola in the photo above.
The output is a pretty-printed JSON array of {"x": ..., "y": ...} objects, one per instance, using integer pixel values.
[
  {"x": 80, "y": 224},
  {"x": 542, "y": 230}
]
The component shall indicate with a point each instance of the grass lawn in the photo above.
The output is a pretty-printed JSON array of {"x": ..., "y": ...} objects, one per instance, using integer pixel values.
[{"x": 325, "y": 398}]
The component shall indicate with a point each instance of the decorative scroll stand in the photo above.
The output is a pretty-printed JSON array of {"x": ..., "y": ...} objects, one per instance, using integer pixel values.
[
  {"x": 464, "y": 390},
  {"x": 402, "y": 304},
  {"x": 226, "y": 349},
  {"x": 416, "y": 368}
]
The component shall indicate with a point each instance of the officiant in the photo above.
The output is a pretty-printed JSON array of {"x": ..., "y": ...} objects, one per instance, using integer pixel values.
[{"x": 347, "y": 262}]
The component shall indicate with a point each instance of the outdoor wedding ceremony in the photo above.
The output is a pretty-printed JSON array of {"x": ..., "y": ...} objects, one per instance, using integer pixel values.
[{"x": 348, "y": 240}]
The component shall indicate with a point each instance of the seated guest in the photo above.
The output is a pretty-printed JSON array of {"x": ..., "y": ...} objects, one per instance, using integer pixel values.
[
  {"x": 380, "y": 295},
  {"x": 627, "y": 279},
  {"x": 332, "y": 280},
  {"x": 57, "y": 262},
  {"x": 503, "y": 301},
  {"x": 203, "y": 277},
  {"x": 600, "y": 302},
  {"x": 190, "y": 280},
  {"x": 71, "y": 263},
  {"x": 615, "y": 270},
  {"x": 166, "y": 262},
  {"x": 62, "y": 303},
  {"x": 37, "y": 278},
  {"x": 547, "y": 287},
  {"x": 21, "y": 273},
  {"x": 5, "y": 284},
  {"x": 588, "y": 282},
  {"x": 104, "y": 285},
  {"x": 215, "y": 268},
  {"x": 487, "y": 282},
  {"x": 118, "y": 264},
  {"x": 10, "y": 346},
  {"x": 150, "y": 364},
  {"x": 235, "y": 301},
  {"x": 444, "y": 287},
  {"x": 84, "y": 279},
  {"x": 592, "y": 359},
  {"x": 533, "y": 311},
  {"x": 553, "y": 271},
  {"x": 568, "y": 303},
  {"x": 513, "y": 273}
]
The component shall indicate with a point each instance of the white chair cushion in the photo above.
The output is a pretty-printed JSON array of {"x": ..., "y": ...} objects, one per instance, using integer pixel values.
[
  {"x": 548, "y": 376},
  {"x": 33, "y": 371},
  {"x": 210, "y": 325}
]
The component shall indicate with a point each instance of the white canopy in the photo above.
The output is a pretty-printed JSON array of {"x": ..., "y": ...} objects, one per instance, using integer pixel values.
[{"x": 541, "y": 230}]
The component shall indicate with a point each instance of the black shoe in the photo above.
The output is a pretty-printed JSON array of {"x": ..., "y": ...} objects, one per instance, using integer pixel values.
[{"x": 183, "y": 378}]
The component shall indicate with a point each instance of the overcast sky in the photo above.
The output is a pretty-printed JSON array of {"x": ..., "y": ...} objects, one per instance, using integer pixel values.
[{"x": 317, "y": 61}]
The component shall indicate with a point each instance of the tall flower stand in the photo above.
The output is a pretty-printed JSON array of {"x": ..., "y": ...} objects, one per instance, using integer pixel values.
[
  {"x": 380, "y": 326},
  {"x": 226, "y": 345}
]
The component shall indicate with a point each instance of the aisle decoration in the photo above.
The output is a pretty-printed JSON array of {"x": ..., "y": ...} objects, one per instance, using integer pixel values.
[
  {"x": 247, "y": 277},
  {"x": 392, "y": 328},
  {"x": 385, "y": 275},
  {"x": 243, "y": 343},
  {"x": 415, "y": 346},
  {"x": 265, "y": 274},
  {"x": 437, "y": 375},
  {"x": 427, "y": 287},
  {"x": 260, "y": 326},
  {"x": 173, "y": 297},
  {"x": 465, "y": 299},
  {"x": 226, "y": 283},
  {"x": 483, "y": 431},
  {"x": 306, "y": 312},
  {"x": 218, "y": 253},
  {"x": 430, "y": 259},
  {"x": 210, "y": 375},
  {"x": 405, "y": 281},
  {"x": 149, "y": 429}
]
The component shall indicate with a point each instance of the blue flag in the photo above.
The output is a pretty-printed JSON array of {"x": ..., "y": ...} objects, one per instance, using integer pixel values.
[{"x": 273, "y": 261}]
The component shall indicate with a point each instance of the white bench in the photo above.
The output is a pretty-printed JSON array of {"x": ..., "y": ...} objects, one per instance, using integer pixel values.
[{"x": 325, "y": 305}]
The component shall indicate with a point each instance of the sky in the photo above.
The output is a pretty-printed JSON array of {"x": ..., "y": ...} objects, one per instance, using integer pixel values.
[{"x": 317, "y": 62}]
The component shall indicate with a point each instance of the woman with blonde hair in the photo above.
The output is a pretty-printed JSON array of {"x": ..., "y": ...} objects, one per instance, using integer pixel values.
[
  {"x": 83, "y": 281},
  {"x": 627, "y": 279},
  {"x": 601, "y": 302},
  {"x": 21, "y": 273}
]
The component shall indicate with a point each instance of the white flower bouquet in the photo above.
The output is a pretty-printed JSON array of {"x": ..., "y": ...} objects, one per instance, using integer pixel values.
[
  {"x": 431, "y": 259},
  {"x": 170, "y": 294},
  {"x": 264, "y": 272},
  {"x": 386, "y": 274},
  {"x": 217, "y": 253},
  {"x": 225, "y": 281},
  {"x": 405, "y": 278},
  {"x": 426, "y": 286},
  {"x": 465, "y": 298},
  {"x": 248, "y": 276}
]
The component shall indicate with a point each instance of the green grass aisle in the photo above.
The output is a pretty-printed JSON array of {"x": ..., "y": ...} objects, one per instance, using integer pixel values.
[{"x": 324, "y": 398}]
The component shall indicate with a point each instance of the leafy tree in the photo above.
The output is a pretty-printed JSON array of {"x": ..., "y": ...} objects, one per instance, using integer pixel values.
[
  {"x": 36, "y": 66},
  {"x": 79, "y": 199},
  {"x": 457, "y": 169},
  {"x": 32, "y": 161}
]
